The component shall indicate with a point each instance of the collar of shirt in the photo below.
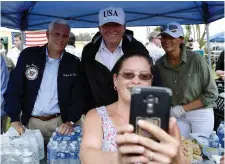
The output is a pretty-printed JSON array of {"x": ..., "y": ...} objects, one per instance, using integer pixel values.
[
  {"x": 15, "y": 49},
  {"x": 50, "y": 60},
  {"x": 151, "y": 44},
  {"x": 103, "y": 46}
]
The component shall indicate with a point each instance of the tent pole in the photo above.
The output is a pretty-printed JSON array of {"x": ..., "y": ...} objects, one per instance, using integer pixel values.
[
  {"x": 22, "y": 40},
  {"x": 208, "y": 45}
]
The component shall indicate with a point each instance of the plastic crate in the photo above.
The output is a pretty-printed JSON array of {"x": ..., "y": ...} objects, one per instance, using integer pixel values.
[
  {"x": 219, "y": 112},
  {"x": 220, "y": 104},
  {"x": 220, "y": 85}
]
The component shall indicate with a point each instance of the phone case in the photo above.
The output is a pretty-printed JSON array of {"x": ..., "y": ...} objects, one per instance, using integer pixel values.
[{"x": 152, "y": 104}]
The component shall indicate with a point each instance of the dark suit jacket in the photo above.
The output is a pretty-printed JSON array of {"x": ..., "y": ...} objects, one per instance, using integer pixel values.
[
  {"x": 23, "y": 87},
  {"x": 100, "y": 78}
]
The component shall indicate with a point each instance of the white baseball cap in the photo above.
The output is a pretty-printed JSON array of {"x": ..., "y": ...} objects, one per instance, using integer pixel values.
[
  {"x": 111, "y": 14},
  {"x": 174, "y": 29}
]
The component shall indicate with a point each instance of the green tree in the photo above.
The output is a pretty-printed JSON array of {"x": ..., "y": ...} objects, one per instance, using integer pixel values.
[
  {"x": 197, "y": 33},
  {"x": 188, "y": 33},
  {"x": 83, "y": 37},
  {"x": 157, "y": 29},
  {"x": 200, "y": 36}
]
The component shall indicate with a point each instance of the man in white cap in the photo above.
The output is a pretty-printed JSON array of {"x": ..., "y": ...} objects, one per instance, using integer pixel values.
[
  {"x": 189, "y": 76},
  {"x": 101, "y": 54},
  {"x": 154, "y": 46}
]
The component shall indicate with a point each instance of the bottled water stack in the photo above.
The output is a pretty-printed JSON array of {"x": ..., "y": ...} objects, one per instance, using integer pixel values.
[
  {"x": 64, "y": 149},
  {"x": 13, "y": 154},
  {"x": 25, "y": 149},
  {"x": 220, "y": 133},
  {"x": 213, "y": 140}
]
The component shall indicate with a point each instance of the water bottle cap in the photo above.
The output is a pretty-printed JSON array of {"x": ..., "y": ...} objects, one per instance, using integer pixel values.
[
  {"x": 62, "y": 155},
  {"x": 27, "y": 156},
  {"x": 7, "y": 150},
  {"x": 54, "y": 142},
  {"x": 27, "y": 159},
  {"x": 75, "y": 142},
  {"x": 27, "y": 152},
  {"x": 17, "y": 152}
]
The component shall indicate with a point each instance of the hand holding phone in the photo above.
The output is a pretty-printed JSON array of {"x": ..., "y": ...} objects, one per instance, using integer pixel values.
[{"x": 151, "y": 104}]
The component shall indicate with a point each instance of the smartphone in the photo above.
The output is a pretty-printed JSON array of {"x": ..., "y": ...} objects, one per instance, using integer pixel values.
[{"x": 151, "y": 104}]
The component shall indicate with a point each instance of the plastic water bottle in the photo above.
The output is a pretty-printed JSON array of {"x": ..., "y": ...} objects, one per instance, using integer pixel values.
[
  {"x": 27, "y": 156},
  {"x": 2, "y": 157},
  {"x": 52, "y": 149},
  {"x": 9, "y": 156},
  {"x": 34, "y": 146},
  {"x": 64, "y": 149},
  {"x": 213, "y": 140},
  {"x": 220, "y": 133},
  {"x": 74, "y": 150},
  {"x": 18, "y": 155},
  {"x": 40, "y": 140}
]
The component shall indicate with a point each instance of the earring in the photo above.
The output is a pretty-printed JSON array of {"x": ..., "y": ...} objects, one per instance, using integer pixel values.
[{"x": 115, "y": 88}]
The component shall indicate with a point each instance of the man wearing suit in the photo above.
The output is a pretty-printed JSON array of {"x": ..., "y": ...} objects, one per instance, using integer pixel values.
[{"x": 46, "y": 86}]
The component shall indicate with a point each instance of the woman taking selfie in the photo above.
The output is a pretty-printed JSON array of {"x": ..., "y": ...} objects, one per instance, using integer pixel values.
[{"x": 107, "y": 135}]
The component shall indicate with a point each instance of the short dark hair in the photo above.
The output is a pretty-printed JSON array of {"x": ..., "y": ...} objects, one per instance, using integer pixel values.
[
  {"x": 72, "y": 39},
  {"x": 17, "y": 35},
  {"x": 133, "y": 53}
]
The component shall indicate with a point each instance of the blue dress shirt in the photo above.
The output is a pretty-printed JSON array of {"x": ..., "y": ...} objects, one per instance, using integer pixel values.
[
  {"x": 47, "y": 99},
  {"x": 4, "y": 82}
]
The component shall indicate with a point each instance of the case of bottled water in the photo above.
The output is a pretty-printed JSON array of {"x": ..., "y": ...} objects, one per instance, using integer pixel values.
[
  {"x": 25, "y": 149},
  {"x": 64, "y": 149},
  {"x": 213, "y": 140},
  {"x": 220, "y": 133}
]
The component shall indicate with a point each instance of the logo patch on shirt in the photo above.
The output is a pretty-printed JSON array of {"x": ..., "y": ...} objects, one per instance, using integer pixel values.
[{"x": 31, "y": 73}]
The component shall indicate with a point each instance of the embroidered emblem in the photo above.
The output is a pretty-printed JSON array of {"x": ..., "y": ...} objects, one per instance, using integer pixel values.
[
  {"x": 71, "y": 74},
  {"x": 31, "y": 73}
]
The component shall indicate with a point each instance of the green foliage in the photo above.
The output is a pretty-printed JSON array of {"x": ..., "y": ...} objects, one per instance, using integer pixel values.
[
  {"x": 200, "y": 36},
  {"x": 157, "y": 29},
  {"x": 188, "y": 33},
  {"x": 83, "y": 37}
]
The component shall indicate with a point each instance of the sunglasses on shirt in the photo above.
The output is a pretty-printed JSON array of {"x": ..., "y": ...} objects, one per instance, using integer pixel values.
[
  {"x": 144, "y": 76},
  {"x": 171, "y": 27}
]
